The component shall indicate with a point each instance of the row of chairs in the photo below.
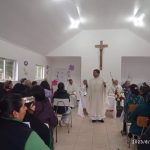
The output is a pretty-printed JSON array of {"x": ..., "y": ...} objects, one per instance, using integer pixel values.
[
  {"x": 142, "y": 122},
  {"x": 65, "y": 103}
]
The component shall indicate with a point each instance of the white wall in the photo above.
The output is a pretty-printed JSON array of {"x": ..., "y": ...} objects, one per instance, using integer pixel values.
[
  {"x": 10, "y": 51},
  {"x": 136, "y": 69},
  {"x": 62, "y": 63},
  {"x": 120, "y": 43}
]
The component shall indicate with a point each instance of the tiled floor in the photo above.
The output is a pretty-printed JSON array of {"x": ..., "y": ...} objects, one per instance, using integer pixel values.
[{"x": 85, "y": 135}]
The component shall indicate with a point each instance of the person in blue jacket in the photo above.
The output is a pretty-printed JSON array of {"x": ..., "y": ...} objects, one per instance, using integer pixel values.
[{"x": 141, "y": 110}]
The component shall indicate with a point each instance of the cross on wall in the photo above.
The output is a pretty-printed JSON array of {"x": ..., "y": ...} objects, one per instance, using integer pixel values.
[{"x": 101, "y": 47}]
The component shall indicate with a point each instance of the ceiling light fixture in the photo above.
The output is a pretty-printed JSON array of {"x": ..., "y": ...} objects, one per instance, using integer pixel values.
[
  {"x": 74, "y": 23},
  {"x": 82, "y": 20},
  {"x": 136, "y": 18},
  {"x": 138, "y": 21}
]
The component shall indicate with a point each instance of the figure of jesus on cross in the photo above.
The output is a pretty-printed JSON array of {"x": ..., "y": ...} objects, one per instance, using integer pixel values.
[{"x": 101, "y": 47}]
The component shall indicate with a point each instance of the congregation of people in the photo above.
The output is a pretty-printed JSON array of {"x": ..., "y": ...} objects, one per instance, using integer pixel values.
[
  {"x": 28, "y": 117},
  {"x": 27, "y": 109},
  {"x": 134, "y": 102}
]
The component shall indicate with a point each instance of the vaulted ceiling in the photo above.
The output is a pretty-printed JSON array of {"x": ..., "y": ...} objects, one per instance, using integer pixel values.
[{"x": 43, "y": 25}]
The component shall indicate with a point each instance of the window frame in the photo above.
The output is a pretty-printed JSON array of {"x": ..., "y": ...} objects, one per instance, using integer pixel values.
[
  {"x": 14, "y": 70},
  {"x": 42, "y": 74}
]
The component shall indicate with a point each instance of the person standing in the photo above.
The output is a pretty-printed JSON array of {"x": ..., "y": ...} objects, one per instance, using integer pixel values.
[
  {"x": 96, "y": 97},
  {"x": 82, "y": 108},
  {"x": 73, "y": 92}
]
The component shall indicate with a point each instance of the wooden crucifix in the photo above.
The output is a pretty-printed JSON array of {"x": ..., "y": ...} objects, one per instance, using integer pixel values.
[{"x": 101, "y": 47}]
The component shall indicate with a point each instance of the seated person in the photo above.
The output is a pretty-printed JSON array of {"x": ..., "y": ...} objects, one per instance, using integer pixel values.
[
  {"x": 61, "y": 93},
  {"x": 15, "y": 135},
  {"x": 133, "y": 98},
  {"x": 34, "y": 83},
  {"x": 43, "y": 108},
  {"x": 47, "y": 90},
  {"x": 141, "y": 110},
  {"x": 40, "y": 128}
]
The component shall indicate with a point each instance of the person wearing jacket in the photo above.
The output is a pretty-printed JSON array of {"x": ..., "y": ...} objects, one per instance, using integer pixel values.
[
  {"x": 61, "y": 93},
  {"x": 13, "y": 130},
  {"x": 39, "y": 127}
]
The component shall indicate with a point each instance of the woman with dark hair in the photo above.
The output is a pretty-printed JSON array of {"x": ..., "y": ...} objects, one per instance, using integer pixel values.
[
  {"x": 12, "y": 130},
  {"x": 43, "y": 109},
  {"x": 48, "y": 93},
  {"x": 18, "y": 88},
  {"x": 61, "y": 93},
  {"x": 21, "y": 89}
]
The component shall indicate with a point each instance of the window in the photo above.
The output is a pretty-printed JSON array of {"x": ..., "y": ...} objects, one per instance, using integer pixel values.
[
  {"x": 8, "y": 69},
  {"x": 39, "y": 72}
]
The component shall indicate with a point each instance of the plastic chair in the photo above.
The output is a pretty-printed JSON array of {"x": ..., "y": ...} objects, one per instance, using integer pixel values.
[
  {"x": 73, "y": 100},
  {"x": 142, "y": 122},
  {"x": 65, "y": 103},
  {"x": 131, "y": 109}
]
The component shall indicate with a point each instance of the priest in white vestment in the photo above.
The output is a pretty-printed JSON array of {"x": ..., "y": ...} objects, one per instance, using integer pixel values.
[{"x": 97, "y": 97}]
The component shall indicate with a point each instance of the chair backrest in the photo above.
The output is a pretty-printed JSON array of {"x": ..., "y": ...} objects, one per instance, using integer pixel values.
[
  {"x": 61, "y": 102},
  {"x": 142, "y": 121},
  {"x": 132, "y": 107}
]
